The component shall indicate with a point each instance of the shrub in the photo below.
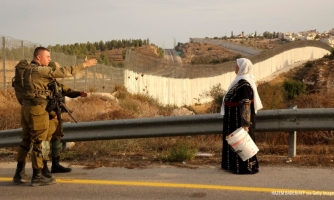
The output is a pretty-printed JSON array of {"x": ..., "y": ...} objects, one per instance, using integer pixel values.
[
  {"x": 237, "y": 56},
  {"x": 121, "y": 92},
  {"x": 182, "y": 152},
  {"x": 272, "y": 96},
  {"x": 92, "y": 89},
  {"x": 293, "y": 88},
  {"x": 217, "y": 94},
  {"x": 330, "y": 56},
  {"x": 308, "y": 64}
]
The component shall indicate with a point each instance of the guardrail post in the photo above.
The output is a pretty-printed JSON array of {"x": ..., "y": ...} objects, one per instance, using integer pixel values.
[{"x": 292, "y": 139}]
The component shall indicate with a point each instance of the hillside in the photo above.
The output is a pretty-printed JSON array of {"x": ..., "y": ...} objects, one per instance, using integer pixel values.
[
  {"x": 205, "y": 53},
  {"x": 118, "y": 55},
  {"x": 317, "y": 75},
  {"x": 259, "y": 43},
  {"x": 197, "y": 53}
]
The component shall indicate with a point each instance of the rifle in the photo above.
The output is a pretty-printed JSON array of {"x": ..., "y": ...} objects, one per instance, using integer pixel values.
[{"x": 56, "y": 102}]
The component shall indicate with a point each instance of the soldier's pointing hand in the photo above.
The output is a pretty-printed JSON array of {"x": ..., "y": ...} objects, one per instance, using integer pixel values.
[{"x": 90, "y": 62}]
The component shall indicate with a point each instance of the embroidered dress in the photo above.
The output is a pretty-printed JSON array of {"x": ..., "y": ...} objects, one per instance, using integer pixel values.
[{"x": 239, "y": 111}]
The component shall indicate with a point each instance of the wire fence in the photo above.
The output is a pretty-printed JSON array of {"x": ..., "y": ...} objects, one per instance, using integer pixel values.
[{"x": 100, "y": 78}]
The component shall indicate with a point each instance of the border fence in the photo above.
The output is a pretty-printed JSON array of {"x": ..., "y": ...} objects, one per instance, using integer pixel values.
[{"x": 100, "y": 78}]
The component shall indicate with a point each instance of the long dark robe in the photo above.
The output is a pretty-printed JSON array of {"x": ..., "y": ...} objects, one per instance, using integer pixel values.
[{"x": 239, "y": 112}]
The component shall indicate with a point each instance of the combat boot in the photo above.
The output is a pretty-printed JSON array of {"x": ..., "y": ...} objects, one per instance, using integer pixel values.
[
  {"x": 38, "y": 179},
  {"x": 57, "y": 168},
  {"x": 45, "y": 171},
  {"x": 20, "y": 175}
]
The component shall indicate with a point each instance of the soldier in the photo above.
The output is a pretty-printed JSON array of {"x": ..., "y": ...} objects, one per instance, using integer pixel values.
[
  {"x": 33, "y": 94},
  {"x": 56, "y": 132}
]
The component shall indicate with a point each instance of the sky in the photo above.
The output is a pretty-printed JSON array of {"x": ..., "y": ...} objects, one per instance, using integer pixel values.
[{"x": 49, "y": 22}]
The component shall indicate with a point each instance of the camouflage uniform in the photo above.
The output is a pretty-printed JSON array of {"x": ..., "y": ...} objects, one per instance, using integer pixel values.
[
  {"x": 35, "y": 118},
  {"x": 55, "y": 133}
]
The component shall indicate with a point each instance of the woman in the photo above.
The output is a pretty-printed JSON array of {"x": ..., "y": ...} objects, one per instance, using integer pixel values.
[{"x": 240, "y": 104}]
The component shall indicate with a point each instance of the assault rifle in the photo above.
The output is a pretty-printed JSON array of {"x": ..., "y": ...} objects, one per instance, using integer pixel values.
[{"x": 56, "y": 102}]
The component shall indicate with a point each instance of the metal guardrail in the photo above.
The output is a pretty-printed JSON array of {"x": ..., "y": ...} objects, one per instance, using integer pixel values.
[{"x": 316, "y": 119}]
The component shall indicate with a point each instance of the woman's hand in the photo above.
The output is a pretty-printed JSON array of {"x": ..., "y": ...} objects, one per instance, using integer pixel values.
[{"x": 246, "y": 128}]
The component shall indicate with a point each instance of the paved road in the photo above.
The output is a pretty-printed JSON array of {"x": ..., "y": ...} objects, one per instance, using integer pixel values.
[
  {"x": 283, "y": 70},
  {"x": 166, "y": 182},
  {"x": 171, "y": 54}
]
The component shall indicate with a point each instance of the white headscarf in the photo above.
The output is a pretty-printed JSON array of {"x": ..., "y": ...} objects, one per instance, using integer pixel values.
[{"x": 245, "y": 72}]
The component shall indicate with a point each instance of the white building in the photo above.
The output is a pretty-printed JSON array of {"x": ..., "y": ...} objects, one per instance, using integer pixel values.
[
  {"x": 331, "y": 31},
  {"x": 289, "y": 36},
  {"x": 310, "y": 37},
  {"x": 329, "y": 41}
]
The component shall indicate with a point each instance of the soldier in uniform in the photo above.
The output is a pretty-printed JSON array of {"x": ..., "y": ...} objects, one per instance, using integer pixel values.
[
  {"x": 35, "y": 118},
  {"x": 56, "y": 132}
]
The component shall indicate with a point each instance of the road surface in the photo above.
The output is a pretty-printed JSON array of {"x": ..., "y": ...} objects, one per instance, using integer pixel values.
[{"x": 167, "y": 182}]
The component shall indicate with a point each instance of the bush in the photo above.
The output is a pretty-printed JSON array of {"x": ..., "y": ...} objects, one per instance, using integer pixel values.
[
  {"x": 120, "y": 92},
  {"x": 308, "y": 64},
  {"x": 330, "y": 56},
  {"x": 293, "y": 88},
  {"x": 182, "y": 152},
  {"x": 217, "y": 94},
  {"x": 272, "y": 96}
]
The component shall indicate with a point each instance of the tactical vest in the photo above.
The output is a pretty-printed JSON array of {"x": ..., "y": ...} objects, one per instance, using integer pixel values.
[{"x": 23, "y": 83}]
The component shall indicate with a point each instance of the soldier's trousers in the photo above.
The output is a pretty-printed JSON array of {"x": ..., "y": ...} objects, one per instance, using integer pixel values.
[
  {"x": 54, "y": 133},
  {"x": 35, "y": 125}
]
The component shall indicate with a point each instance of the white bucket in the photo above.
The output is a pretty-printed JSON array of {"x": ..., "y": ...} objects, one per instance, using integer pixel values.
[{"x": 242, "y": 144}]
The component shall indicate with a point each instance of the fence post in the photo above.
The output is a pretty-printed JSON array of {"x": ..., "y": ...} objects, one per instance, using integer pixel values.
[
  {"x": 4, "y": 62},
  {"x": 95, "y": 76},
  {"x": 22, "y": 48},
  {"x": 103, "y": 70},
  {"x": 86, "y": 74},
  {"x": 75, "y": 76},
  {"x": 292, "y": 139}
]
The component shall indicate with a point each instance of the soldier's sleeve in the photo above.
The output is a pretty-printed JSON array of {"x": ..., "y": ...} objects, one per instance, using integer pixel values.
[
  {"x": 52, "y": 114},
  {"x": 59, "y": 72},
  {"x": 69, "y": 92}
]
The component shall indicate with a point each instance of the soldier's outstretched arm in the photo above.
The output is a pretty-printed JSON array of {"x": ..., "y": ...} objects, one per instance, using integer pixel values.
[{"x": 68, "y": 71}]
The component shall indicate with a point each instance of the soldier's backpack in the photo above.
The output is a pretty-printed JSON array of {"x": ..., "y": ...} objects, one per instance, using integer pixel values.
[{"x": 22, "y": 83}]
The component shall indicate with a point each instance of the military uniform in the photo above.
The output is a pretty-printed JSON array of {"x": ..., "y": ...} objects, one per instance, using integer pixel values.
[
  {"x": 55, "y": 133},
  {"x": 35, "y": 119}
]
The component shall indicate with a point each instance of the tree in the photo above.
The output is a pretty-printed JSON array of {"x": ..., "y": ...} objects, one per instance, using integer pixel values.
[
  {"x": 267, "y": 34},
  {"x": 102, "y": 46}
]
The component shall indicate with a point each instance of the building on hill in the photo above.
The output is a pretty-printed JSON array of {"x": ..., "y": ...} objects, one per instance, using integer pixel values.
[
  {"x": 289, "y": 36},
  {"x": 331, "y": 32},
  {"x": 329, "y": 40}
]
